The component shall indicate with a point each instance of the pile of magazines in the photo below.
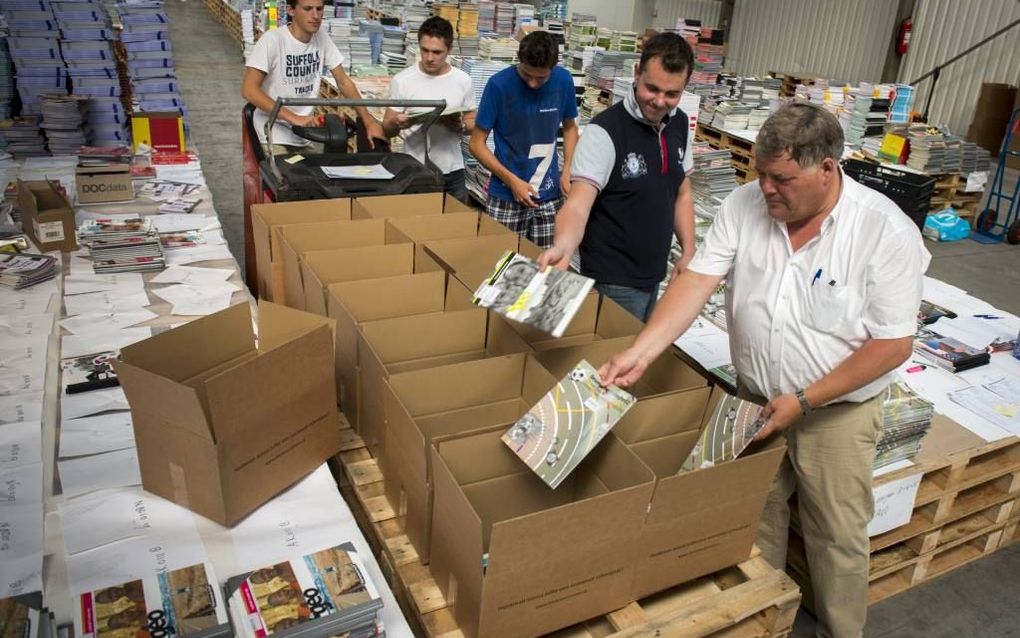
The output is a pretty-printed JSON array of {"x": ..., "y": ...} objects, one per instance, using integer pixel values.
[
  {"x": 327, "y": 593},
  {"x": 25, "y": 616},
  {"x": 125, "y": 244},
  {"x": 21, "y": 270},
  {"x": 906, "y": 418}
]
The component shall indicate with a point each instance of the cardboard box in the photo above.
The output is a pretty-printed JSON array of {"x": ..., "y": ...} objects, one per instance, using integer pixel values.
[
  {"x": 352, "y": 303},
  {"x": 395, "y": 345},
  {"x": 427, "y": 405},
  {"x": 421, "y": 229},
  {"x": 99, "y": 184},
  {"x": 267, "y": 221},
  {"x": 222, "y": 426},
  {"x": 596, "y": 319},
  {"x": 665, "y": 375},
  {"x": 554, "y": 557},
  {"x": 296, "y": 240},
  {"x": 698, "y": 522},
  {"x": 384, "y": 206},
  {"x": 47, "y": 216}
]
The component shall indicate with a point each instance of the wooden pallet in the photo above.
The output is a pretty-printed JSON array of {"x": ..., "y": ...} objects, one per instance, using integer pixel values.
[
  {"x": 748, "y": 599},
  {"x": 967, "y": 506}
]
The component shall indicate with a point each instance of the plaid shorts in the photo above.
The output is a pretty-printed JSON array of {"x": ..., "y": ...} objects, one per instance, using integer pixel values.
[{"x": 536, "y": 224}]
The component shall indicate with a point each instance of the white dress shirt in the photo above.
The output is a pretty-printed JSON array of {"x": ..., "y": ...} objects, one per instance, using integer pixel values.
[{"x": 794, "y": 316}]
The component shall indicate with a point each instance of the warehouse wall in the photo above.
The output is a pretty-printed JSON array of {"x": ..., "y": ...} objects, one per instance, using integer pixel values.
[
  {"x": 669, "y": 10},
  {"x": 833, "y": 38},
  {"x": 612, "y": 14},
  {"x": 943, "y": 28}
]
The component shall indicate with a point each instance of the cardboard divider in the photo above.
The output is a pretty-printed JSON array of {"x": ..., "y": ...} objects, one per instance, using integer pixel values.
[
  {"x": 428, "y": 405},
  {"x": 701, "y": 521},
  {"x": 471, "y": 254},
  {"x": 355, "y": 302},
  {"x": 395, "y": 345},
  {"x": 320, "y": 268},
  {"x": 267, "y": 221},
  {"x": 297, "y": 240},
  {"x": 421, "y": 229},
  {"x": 223, "y": 426},
  {"x": 384, "y": 206},
  {"x": 513, "y": 557}
]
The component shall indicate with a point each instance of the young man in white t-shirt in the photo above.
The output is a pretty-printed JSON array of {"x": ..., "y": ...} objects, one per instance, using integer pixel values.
[
  {"x": 431, "y": 79},
  {"x": 288, "y": 62}
]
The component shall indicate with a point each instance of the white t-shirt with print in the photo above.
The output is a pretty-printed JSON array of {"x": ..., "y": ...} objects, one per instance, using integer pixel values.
[
  {"x": 293, "y": 69},
  {"x": 454, "y": 86}
]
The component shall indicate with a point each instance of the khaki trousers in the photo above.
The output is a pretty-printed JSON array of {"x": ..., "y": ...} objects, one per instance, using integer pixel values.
[{"x": 828, "y": 464}]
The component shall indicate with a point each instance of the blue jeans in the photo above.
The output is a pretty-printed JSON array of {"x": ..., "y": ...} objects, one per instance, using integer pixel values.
[
  {"x": 639, "y": 303},
  {"x": 454, "y": 183}
]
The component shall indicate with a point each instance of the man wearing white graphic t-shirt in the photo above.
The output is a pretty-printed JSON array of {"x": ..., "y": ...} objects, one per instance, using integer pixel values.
[
  {"x": 288, "y": 62},
  {"x": 432, "y": 79}
]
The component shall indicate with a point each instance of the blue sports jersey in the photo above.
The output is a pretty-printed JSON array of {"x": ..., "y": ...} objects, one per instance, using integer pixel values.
[{"x": 525, "y": 123}]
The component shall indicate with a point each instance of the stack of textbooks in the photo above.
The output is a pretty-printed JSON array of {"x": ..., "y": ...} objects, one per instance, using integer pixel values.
[
  {"x": 327, "y": 593},
  {"x": 22, "y": 137},
  {"x": 34, "y": 46},
  {"x": 129, "y": 244},
  {"x": 906, "y": 418},
  {"x": 21, "y": 270},
  {"x": 714, "y": 175},
  {"x": 64, "y": 118},
  {"x": 948, "y": 353},
  {"x": 150, "y": 59}
]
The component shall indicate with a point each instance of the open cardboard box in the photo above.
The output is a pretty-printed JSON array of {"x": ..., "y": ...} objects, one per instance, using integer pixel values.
[
  {"x": 702, "y": 521},
  {"x": 426, "y": 405},
  {"x": 266, "y": 222},
  {"x": 297, "y": 240},
  {"x": 354, "y": 302},
  {"x": 47, "y": 216},
  {"x": 472, "y": 259},
  {"x": 388, "y": 346},
  {"x": 516, "y": 558},
  {"x": 421, "y": 229},
  {"x": 222, "y": 425},
  {"x": 384, "y": 206}
]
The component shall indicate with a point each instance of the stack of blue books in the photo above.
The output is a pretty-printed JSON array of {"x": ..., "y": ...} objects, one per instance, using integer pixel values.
[
  {"x": 87, "y": 47},
  {"x": 150, "y": 60},
  {"x": 6, "y": 79},
  {"x": 34, "y": 45}
]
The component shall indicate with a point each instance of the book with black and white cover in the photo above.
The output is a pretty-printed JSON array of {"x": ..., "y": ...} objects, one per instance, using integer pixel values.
[
  {"x": 21, "y": 270},
  {"x": 182, "y": 602},
  {"x": 948, "y": 353},
  {"x": 89, "y": 372},
  {"x": 324, "y": 593},
  {"x": 545, "y": 299}
]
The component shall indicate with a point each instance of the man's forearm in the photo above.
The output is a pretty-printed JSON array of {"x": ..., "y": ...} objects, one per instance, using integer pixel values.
[
  {"x": 683, "y": 220},
  {"x": 350, "y": 91},
  {"x": 486, "y": 157},
  {"x": 569, "y": 144},
  {"x": 873, "y": 359}
]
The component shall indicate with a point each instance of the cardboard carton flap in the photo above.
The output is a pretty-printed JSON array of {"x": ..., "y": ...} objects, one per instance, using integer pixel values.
[
  {"x": 420, "y": 336},
  {"x": 408, "y": 204},
  {"x": 158, "y": 403},
  {"x": 656, "y": 417},
  {"x": 337, "y": 234},
  {"x": 428, "y": 227},
  {"x": 301, "y": 212},
  {"x": 363, "y": 262},
  {"x": 614, "y": 321},
  {"x": 471, "y": 253},
  {"x": 372, "y": 299},
  {"x": 473, "y": 382},
  {"x": 189, "y": 350},
  {"x": 665, "y": 454},
  {"x": 279, "y": 324}
]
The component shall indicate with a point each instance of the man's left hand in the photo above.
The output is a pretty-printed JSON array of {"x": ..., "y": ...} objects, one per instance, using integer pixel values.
[
  {"x": 680, "y": 266},
  {"x": 374, "y": 131},
  {"x": 565, "y": 182},
  {"x": 779, "y": 414}
]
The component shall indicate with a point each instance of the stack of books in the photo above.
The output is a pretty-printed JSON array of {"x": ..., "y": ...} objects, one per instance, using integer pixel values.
[
  {"x": 327, "y": 593},
  {"x": 498, "y": 49},
  {"x": 34, "y": 45},
  {"x": 128, "y": 244},
  {"x": 948, "y": 353},
  {"x": 906, "y": 418},
  {"x": 150, "y": 59},
  {"x": 927, "y": 149},
  {"x": 22, "y": 138},
  {"x": 486, "y": 16},
  {"x": 6, "y": 80},
  {"x": 21, "y": 270},
  {"x": 731, "y": 115},
  {"x": 714, "y": 175},
  {"x": 63, "y": 120},
  {"x": 504, "y": 21},
  {"x": 467, "y": 25}
]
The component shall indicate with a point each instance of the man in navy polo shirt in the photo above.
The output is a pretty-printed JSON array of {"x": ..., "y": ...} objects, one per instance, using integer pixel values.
[
  {"x": 524, "y": 106},
  {"x": 629, "y": 192}
]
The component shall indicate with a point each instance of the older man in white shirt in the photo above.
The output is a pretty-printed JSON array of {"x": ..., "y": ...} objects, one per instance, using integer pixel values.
[{"x": 824, "y": 280}]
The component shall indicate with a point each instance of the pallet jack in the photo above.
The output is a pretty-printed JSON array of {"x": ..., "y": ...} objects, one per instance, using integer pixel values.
[{"x": 298, "y": 177}]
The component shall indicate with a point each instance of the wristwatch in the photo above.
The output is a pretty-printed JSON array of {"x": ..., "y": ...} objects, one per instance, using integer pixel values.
[{"x": 805, "y": 407}]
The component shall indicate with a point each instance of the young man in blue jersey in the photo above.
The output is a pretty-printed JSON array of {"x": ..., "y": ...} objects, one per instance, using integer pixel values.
[
  {"x": 524, "y": 106},
  {"x": 630, "y": 194}
]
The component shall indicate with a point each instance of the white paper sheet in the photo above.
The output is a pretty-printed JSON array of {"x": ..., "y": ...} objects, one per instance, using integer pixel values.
[
  {"x": 21, "y": 485},
  {"x": 75, "y": 406},
  {"x": 371, "y": 171},
  {"x": 186, "y": 174},
  {"x": 105, "y": 302},
  {"x": 97, "y": 434},
  {"x": 124, "y": 281},
  {"x": 107, "y": 516},
  {"x": 210, "y": 297},
  {"x": 21, "y": 576},
  {"x": 94, "y": 322},
  {"x": 24, "y": 304},
  {"x": 179, "y": 222},
  {"x": 989, "y": 406},
  {"x": 81, "y": 266},
  {"x": 102, "y": 341},
  {"x": 192, "y": 275},
  {"x": 977, "y": 332},
  {"x": 129, "y": 560},
  {"x": 183, "y": 256},
  {"x": 20, "y": 326},
  {"x": 21, "y": 528},
  {"x": 893, "y": 467},
  {"x": 20, "y": 444},
  {"x": 23, "y": 365},
  {"x": 706, "y": 343},
  {"x": 894, "y": 504},
  {"x": 1007, "y": 387},
  {"x": 21, "y": 408},
  {"x": 99, "y": 471}
]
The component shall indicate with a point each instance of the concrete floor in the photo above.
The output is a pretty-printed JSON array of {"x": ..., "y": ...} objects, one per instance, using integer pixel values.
[{"x": 980, "y": 599}]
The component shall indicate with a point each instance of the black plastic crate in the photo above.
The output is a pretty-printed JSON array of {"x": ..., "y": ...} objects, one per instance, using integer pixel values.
[{"x": 896, "y": 184}]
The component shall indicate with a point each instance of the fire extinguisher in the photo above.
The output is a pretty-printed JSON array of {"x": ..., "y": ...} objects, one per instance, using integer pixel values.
[{"x": 903, "y": 38}]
